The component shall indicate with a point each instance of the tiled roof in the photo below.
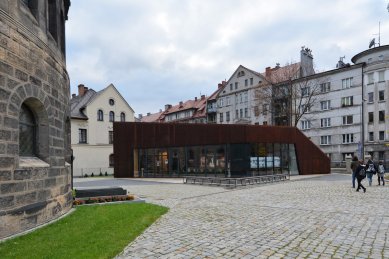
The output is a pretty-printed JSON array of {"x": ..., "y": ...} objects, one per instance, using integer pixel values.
[
  {"x": 280, "y": 74},
  {"x": 77, "y": 104},
  {"x": 154, "y": 117}
]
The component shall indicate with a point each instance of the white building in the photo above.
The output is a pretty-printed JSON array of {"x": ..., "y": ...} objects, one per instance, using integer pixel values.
[{"x": 92, "y": 117}]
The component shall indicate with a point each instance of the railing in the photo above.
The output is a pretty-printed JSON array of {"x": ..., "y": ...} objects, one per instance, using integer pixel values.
[
  {"x": 87, "y": 172},
  {"x": 235, "y": 182}
]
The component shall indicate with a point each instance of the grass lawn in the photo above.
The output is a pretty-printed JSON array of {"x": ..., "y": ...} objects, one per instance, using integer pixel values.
[{"x": 99, "y": 231}]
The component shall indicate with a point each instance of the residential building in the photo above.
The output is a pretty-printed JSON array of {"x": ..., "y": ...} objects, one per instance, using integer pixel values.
[
  {"x": 92, "y": 117},
  {"x": 35, "y": 175}
]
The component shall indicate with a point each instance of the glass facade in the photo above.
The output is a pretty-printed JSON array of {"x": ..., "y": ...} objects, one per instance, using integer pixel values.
[{"x": 229, "y": 160}]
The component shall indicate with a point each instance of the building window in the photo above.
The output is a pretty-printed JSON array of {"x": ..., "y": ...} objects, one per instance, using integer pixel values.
[
  {"x": 381, "y": 135},
  {"x": 381, "y": 76},
  {"x": 305, "y": 125},
  {"x": 111, "y": 116},
  {"x": 347, "y": 83},
  {"x": 256, "y": 111},
  {"x": 325, "y": 140},
  {"x": 246, "y": 112},
  {"x": 381, "y": 155},
  {"x": 241, "y": 113},
  {"x": 110, "y": 137},
  {"x": 265, "y": 108},
  {"x": 100, "y": 115},
  {"x": 111, "y": 160},
  {"x": 122, "y": 117},
  {"x": 227, "y": 116},
  {"x": 370, "y": 78},
  {"x": 381, "y": 116},
  {"x": 371, "y": 136},
  {"x": 27, "y": 132},
  {"x": 325, "y": 105},
  {"x": 221, "y": 117},
  {"x": 347, "y": 120},
  {"x": 236, "y": 114},
  {"x": 326, "y": 122},
  {"x": 53, "y": 19},
  {"x": 231, "y": 87},
  {"x": 246, "y": 97},
  {"x": 251, "y": 81},
  {"x": 347, "y": 101},
  {"x": 221, "y": 102},
  {"x": 82, "y": 136},
  {"x": 305, "y": 91},
  {"x": 371, "y": 117},
  {"x": 305, "y": 108},
  {"x": 348, "y": 138},
  {"x": 381, "y": 95},
  {"x": 370, "y": 97},
  {"x": 325, "y": 87},
  {"x": 236, "y": 85},
  {"x": 228, "y": 100},
  {"x": 111, "y": 102},
  {"x": 246, "y": 82}
]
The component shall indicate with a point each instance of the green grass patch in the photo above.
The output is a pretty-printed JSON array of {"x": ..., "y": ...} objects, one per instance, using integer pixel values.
[{"x": 100, "y": 231}]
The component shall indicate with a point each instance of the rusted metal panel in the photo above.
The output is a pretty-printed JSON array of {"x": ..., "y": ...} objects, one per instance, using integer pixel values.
[{"x": 133, "y": 135}]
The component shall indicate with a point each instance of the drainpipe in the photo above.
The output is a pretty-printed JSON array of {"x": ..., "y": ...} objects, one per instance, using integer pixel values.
[{"x": 363, "y": 118}]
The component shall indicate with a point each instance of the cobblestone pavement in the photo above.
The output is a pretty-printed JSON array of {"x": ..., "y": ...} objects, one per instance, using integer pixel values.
[{"x": 320, "y": 217}]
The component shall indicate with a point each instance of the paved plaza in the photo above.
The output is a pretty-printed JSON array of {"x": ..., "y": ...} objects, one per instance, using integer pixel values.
[{"x": 307, "y": 217}]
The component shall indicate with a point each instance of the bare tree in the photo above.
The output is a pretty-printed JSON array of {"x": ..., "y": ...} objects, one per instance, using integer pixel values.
[{"x": 286, "y": 95}]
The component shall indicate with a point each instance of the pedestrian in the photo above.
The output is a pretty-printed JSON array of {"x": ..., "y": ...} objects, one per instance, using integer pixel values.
[
  {"x": 381, "y": 173},
  {"x": 360, "y": 174},
  {"x": 354, "y": 166},
  {"x": 370, "y": 170}
]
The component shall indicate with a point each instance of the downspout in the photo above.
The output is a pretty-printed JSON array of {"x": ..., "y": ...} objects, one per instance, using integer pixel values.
[{"x": 363, "y": 117}]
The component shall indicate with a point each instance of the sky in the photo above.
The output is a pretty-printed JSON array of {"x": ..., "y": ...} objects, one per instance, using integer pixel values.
[{"x": 163, "y": 52}]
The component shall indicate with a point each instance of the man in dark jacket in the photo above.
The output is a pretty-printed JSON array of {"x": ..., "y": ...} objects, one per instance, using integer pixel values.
[{"x": 360, "y": 173}]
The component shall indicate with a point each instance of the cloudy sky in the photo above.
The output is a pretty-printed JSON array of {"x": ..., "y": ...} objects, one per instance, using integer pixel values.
[{"x": 159, "y": 52}]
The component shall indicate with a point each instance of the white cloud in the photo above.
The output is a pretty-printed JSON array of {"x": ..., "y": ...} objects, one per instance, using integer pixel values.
[{"x": 159, "y": 52}]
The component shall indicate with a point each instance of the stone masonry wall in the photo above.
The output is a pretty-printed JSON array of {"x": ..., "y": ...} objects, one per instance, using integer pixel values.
[{"x": 32, "y": 70}]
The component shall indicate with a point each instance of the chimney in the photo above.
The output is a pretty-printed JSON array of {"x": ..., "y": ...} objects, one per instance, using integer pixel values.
[
  {"x": 149, "y": 113},
  {"x": 306, "y": 62},
  {"x": 140, "y": 116},
  {"x": 74, "y": 95},
  {"x": 203, "y": 97},
  {"x": 181, "y": 103},
  {"x": 196, "y": 99},
  {"x": 167, "y": 106},
  {"x": 81, "y": 90},
  {"x": 268, "y": 72}
]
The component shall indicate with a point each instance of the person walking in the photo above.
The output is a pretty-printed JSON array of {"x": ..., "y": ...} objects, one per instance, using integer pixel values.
[
  {"x": 354, "y": 165},
  {"x": 381, "y": 173},
  {"x": 360, "y": 174},
  {"x": 370, "y": 170}
]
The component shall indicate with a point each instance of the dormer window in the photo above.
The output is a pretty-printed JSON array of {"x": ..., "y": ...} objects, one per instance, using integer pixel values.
[{"x": 111, "y": 102}]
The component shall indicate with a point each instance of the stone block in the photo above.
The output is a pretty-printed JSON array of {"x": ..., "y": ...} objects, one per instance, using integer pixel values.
[
  {"x": 50, "y": 182},
  {"x": 43, "y": 195},
  {"x": 3, "y": 107},
  {"x": 11, "y": 84},
  {"x": 53, "y": 172},
  {"x": 29, "y": 221},
  {"x": 35, "y": 185},
  {"x": 21, "y": 75},
  {"x": 6, "y": 162},
  {"x": 5, "y": 135},
  {"x": 27, "y": 198},
  {"x": 21, "y": 92},
  {"x": 35, "y": 81},
  {"x": 5, "y": 176},
  {"x": 11, "y": 122},
  {"x": 12, "y": 149},
  {"x": 3, "y": 148},
  {"x": 7, "y": 201},
  {"x": 4, "y": 95},
  {"x": 15, "y": 99},
  {"x": 28, "y": 88},
  {"x": 22, "y": 174},
  {"x": 8, "y": 188},
  {"x": 7, "y": 69}
]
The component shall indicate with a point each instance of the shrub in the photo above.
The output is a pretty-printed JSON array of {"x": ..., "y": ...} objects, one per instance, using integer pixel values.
[
  {"x": 130, "y": 197},
  {"x": 106, "y": 174},
  {"x": 101, "y": 174},
  {"x": 92, "y": 175},
  {"x": 85, "y": 175}
]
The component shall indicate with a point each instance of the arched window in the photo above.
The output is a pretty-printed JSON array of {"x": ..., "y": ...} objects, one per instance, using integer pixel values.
[
  {"x": 122, "y": 116},
  {"x": 111, "y": 116},
  {"x": 100, "y": 115},
  {"x": 111, "y": 160},
  {"x": 27, "y": 132}
]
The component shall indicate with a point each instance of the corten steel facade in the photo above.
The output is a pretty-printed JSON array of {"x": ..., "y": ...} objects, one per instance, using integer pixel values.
[{"x": 132, "y": 140}]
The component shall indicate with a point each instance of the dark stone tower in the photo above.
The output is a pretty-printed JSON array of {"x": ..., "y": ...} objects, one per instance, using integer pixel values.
[{"x": 35, "y": 180}]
